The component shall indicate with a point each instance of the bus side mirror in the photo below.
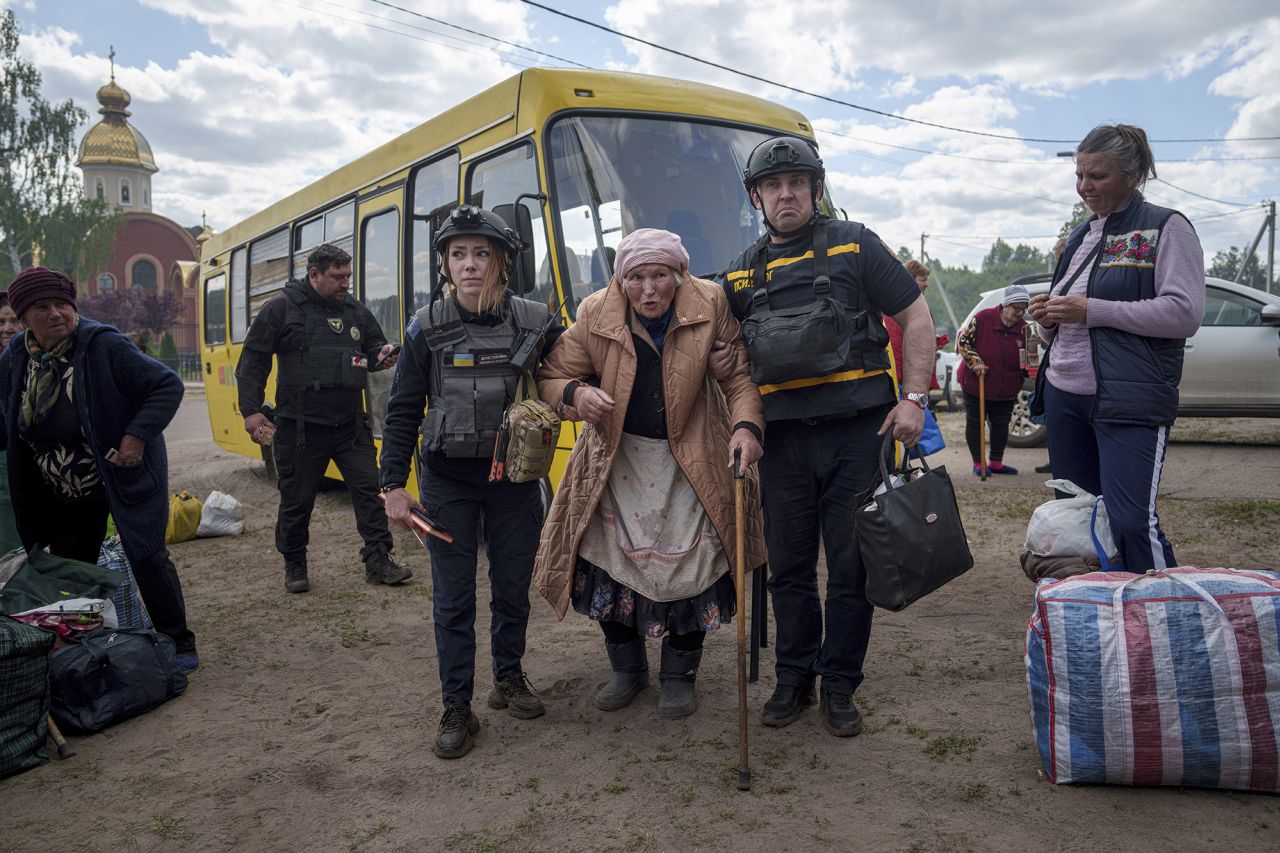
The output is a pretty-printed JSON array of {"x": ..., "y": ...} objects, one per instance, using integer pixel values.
[{"x": 524, "y": 276}]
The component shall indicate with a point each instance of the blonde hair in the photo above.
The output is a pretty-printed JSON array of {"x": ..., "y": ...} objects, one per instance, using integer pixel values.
[
  {"x": 917, "y": 269},
  {"x": 496, "y": 276}
]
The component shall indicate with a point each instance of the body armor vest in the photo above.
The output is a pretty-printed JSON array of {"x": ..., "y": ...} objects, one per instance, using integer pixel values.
[
  {"x": 472, "y": 378},
  {"x": 331, "y": 354},
  {"x": 822, "y": 337}
]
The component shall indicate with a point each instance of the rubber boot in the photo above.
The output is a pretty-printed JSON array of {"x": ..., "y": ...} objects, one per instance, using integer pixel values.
[
  {"x": 630, "y": 675},
  {"x": 679, "y": 670}
]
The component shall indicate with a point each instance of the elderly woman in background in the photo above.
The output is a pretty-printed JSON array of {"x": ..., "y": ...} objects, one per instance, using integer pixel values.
[
  {"x": 993, "y": 346},
  {"x": 83, "y": 412},
  {"x": 9, "y": 540},
  {"x": 1126, "y": 295},
  {"x": 637, "y": 534}
]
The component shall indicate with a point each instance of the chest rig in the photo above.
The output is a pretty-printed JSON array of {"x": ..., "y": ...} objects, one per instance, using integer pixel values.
[
  {"x": 328, "y": 352},
  {"x": 817, "y": 338},
  {"x": 473, "y": 379}
]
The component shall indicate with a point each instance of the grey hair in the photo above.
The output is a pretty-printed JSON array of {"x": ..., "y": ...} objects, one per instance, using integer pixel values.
[{"x": 1127, "y": 145}]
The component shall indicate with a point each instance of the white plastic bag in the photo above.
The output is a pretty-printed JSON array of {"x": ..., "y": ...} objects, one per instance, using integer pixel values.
[
  {"x": 1065, "y": 527},
  {"x": 222, "y": 516}
]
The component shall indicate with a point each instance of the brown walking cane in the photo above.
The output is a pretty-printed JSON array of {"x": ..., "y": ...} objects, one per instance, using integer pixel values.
[
  {"x": 982, "y": 423},
  {"x": 64, "y": 749},
  {"x": 740, "y": 582}
]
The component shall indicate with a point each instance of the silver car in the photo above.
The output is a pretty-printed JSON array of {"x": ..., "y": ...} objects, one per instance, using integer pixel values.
[{"x": 1231, "y": 367}]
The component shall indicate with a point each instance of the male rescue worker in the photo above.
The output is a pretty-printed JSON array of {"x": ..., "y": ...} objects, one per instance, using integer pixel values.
[
  {"x": 325, "y": 343},
  {"x": 811, "y": 294}
]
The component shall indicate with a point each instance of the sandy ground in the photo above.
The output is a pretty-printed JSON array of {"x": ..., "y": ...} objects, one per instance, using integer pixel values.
[{"x": 309, "y": 724}]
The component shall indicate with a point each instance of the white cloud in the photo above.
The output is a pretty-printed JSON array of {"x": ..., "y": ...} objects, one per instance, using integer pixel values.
[{"x": 292, "y": 94}]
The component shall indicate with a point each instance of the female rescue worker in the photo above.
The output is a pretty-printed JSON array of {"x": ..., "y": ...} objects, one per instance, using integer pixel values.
[{"x": 457, "y": 356}]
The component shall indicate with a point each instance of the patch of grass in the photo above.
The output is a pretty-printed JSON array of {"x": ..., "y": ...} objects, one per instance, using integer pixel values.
[
  {"x": 781, "y": 788},
  {"x": 616, "y": 788},
  {"x": 686, "y": 796},
  {"x": 917, "y": 669},
  {"x": 171, "y": 828},
  {"x": 915, "y": 731},
  {"x": 1258, "y": 514},
  {"x": 530, "y": 784},
  {"x": 641, "y": 842},
  {"x": 973, "y": 791},
  {"x": 957, "y": 745}
]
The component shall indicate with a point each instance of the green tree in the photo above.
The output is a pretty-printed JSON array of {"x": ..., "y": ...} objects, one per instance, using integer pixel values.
[
  {"x": 42, "y": 202},
  {"x": 1079, "y": 213},
  {"x": 1227, "y": 265}
]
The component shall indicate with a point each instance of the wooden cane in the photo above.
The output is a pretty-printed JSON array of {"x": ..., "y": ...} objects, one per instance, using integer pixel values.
[
  {"x": 64, "y": 749},
  {"x": 982, "y": 423},
  {"x": 740, "y": 581}
]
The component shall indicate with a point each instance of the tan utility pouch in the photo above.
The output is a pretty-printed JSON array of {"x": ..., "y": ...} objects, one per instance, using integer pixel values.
[{"x": 526, "y": 443}]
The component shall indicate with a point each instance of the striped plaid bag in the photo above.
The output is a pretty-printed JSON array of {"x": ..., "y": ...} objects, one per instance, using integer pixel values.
[{"x": 1167, "y": 678}]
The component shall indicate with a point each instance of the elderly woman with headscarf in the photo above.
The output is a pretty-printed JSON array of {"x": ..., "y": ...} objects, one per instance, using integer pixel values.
[
  {"x": 993, "y": 346},
  {"x": 638, "y": 533},
  {"x": 84, "y": 411}
]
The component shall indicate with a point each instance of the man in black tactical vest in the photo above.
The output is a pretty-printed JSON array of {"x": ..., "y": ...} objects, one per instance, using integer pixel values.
[
  {"x": 811, "y": 295},
  {"x": 325, "y": 343}
]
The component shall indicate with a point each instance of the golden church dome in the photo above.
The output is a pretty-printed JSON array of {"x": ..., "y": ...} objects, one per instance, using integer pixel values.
[{"x": 113, "y": 141}]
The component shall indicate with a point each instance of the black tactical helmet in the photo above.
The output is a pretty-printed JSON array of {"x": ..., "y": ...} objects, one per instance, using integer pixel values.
[
  {"x": 467, "y": 219},
  {"x": 783, "y": 154}
]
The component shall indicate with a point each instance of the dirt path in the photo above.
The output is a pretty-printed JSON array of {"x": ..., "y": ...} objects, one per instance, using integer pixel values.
[{"x": 309, "y": 724}]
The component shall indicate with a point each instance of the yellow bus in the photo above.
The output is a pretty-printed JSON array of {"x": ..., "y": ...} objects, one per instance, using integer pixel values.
[{"x": 588, "y": 156}]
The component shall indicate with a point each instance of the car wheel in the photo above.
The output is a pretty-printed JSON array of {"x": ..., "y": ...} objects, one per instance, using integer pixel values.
[{"x": 1022, "y": 432}]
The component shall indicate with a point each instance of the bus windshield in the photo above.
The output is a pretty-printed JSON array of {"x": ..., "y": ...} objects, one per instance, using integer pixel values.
[{"x": 615, "y": 174}]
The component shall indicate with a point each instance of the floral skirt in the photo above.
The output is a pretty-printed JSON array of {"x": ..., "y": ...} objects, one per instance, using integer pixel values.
[{"x": 600, "y": 597}]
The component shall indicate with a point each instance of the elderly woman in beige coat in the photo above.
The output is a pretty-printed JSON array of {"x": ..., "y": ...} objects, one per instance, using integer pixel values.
[{"x": 638, "y": 534}]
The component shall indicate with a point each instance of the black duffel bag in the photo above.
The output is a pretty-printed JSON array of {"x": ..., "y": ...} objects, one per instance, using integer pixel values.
[
  {"x": 112, "y": 674},
  {"x": 910, "y": 537}
]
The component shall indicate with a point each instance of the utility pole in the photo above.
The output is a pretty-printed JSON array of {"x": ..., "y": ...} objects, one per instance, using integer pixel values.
[
  {"x": 1271, "y": 246},
  {"x": 1268, "y": 222}
]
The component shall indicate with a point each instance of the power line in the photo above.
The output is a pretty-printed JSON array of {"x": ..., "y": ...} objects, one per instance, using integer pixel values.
[
  {"x": 477, "y": 33},
  {"x": 850, "y": 104},
  {"x": 513, "y": 60},
  {"x": 1198, "y": 195},
  {"x": 1051, "y": 161}
]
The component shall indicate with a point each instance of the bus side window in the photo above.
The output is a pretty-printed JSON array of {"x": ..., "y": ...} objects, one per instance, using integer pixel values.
[
  {"x": 499, "y": 179},
  {"x": 379, "y": 282},
  {"x": 434, "y": 190},
  {"x": 239, "y": 295},
  {"x": 215, "y": 310}
]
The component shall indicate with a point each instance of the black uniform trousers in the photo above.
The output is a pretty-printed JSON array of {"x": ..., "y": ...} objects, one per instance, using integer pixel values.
[
  {"x": 811, "y": 475},
  {"x": 458, "y": 497},
  {"x": 75, "y": 527},
  {"x": 300, "y": 470}
]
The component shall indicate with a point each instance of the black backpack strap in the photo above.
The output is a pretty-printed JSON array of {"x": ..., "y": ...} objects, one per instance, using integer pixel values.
[
  {"x": 821, "y": 266},
  {"x": 760, "y": 298}
]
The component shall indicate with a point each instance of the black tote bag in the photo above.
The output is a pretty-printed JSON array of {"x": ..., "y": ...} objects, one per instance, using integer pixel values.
[{"x": 910, "y": 537}]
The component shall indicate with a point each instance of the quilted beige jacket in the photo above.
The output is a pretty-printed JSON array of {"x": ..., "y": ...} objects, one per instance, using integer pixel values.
[{"x": 700, "y": 415}]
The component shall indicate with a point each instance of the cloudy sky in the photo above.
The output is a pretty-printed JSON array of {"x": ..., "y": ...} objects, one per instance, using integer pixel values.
[{"x": 244, "y": 101}]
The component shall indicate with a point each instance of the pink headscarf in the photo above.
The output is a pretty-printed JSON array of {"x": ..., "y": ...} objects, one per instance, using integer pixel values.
[{"x": 650, "y": 246}]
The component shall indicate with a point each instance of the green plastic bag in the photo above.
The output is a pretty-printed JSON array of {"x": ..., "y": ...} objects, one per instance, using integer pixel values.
[{"x": 46, "y": 579}]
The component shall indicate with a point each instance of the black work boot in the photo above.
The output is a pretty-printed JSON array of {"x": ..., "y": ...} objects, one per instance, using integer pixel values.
[
  {"x": 786, "y": 704},
  {"x": 839, "y": 715},
  {"x": 678, "y": 673},
  {"x": 630, "y": 675},
  {"x": 295, "y": 576},
  {"x": 378, "y": 568},
  {"x": 453, "y": 738},
  {"x": 511, "y": 693}
]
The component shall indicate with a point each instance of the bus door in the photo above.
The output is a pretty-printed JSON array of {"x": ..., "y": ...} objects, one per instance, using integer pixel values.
[
  {"x": 378, "y": 284},
  {"x": 215, "y": 355}
]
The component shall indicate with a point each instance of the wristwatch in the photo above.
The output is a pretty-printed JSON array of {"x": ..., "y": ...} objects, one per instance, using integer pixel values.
[{"x": 921, "y": 400}]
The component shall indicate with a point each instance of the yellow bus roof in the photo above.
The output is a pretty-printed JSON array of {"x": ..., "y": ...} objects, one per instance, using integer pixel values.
[{"x": 528, "y": 99}]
